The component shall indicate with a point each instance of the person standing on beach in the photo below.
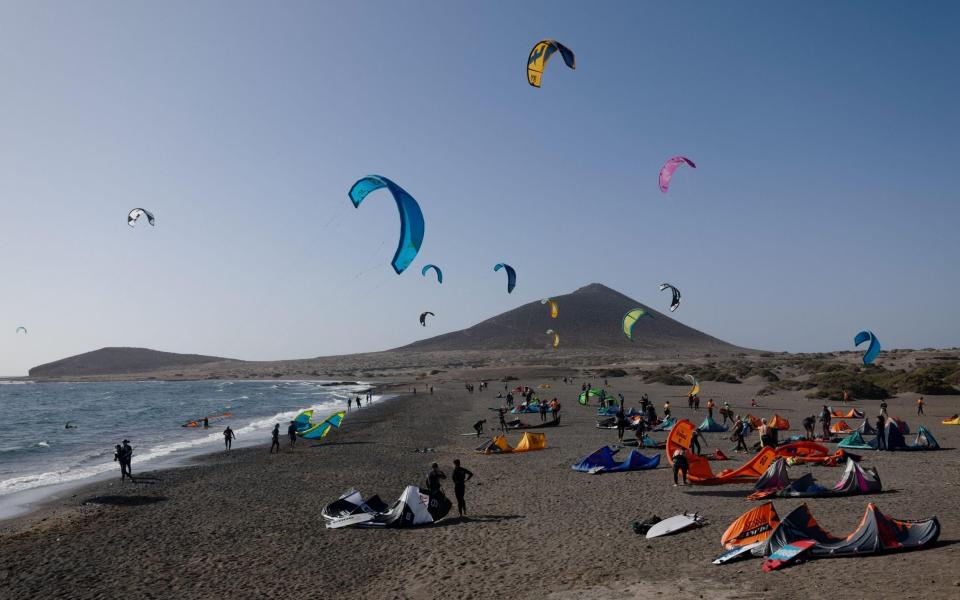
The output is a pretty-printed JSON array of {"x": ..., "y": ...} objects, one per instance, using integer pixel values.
[
  {"x": 118, "y": 457},
  {"x": 621, "y": 418},
  {"x": 666, "y": 409},
  {"x": 825, "y": 419},
  {"x": 126, "y": 457},
  {"x": 739, "y": 429},
  {"x": 434, "y": 475},
  {"x": 680, "y": 465},
  {"x": 276, "y": 439},
  {"x": 883, "y": 408},
  {"x": 503, "y": 422},
  {"x": 292, "y": 433},
  {"x": 543, "y": 411},
  {"x": 881, "y": 432},
  {"x": 920, "y": 404},
  {"x": 710, "y": 406},
  {"x": 808, "y": 424},
  {"x": 695, "y": 446},
  {"x": 478, "y": 427},
  {"x": 460, "y": 477},
  {"x": 228, "y": 436}
]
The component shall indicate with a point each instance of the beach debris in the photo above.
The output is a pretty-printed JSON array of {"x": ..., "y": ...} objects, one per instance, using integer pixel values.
[
  {"x": 554, "y": 307},
  {"x": 511, "y": 275},
  {"x": 436, "y": 270},
  {"x": 642, "y": 527},
  {"x": 136, "y": 213},
  {"x": 630, "y": 319},
  {"x": 675, "y": 302},
  {"x": 668, "y": 169},
  {"x": 541, "y": 53},
  {"x": 411, "y": 218},
  {"x": 556, "y": 337},
  {"x": 873, "y": 349},
  {"x": 423, "y": 317}
]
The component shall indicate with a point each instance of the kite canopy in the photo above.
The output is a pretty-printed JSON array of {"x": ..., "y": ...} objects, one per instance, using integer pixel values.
[
  {"x": 528, "y": 443},
  {"x": 603, "y": 461},
  {"x": 753, "y": 526},
  {"x": 411, "y": 218},
  {"x": 700, "y": 473},
  {"x": 709, "y": 425},
  {"x": 541, "y": 53},
  {"x": 22, "y": 330},
  {"x": 666, "y": 424},
  {"x": 511, "y": 275},
  {"x": 840, "y": 427},
  {"x": 556, "y": 337},
  {"x": 855, "y": 441},
  {"x": 423, "y": 317},
  {"x": 954, "y": 420},
  {"x": 675, "y": 303},
  {"x": 779, "y": 423},
  {"x": 136, "y": 213},
  {"x": 668, "y": 169},
  {"x": 876, "y": 533},
  {"x": 585, "y": 396},
  {"x": 630, "y": 319},
  {"x": 554, "y": 307},
  {"x": 694, "y": 382},
  {"x": 413, "y": 507},
  {"x": 309, "y": 430},
  {"x": 850, "y": 414},
  {"x": 925, "y": 440},
  {"x": 436, "y": 269},
  {"x": 872, "y": 350}
]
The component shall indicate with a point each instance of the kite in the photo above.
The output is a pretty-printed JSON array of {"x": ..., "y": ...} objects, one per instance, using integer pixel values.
[
  {"x": 511, "y": 275},
  {"x": 439, "y": 273},
  {"x": 136, "y": 213},
  {"x": 668, "y": 168},
  {"x": 539, "y": 56},
  {"x": 411, "y": 218},
  {"x": 309, "y": 430},
  {"x": 630, "y": 319},
  {"x": 694, "y": 382},
  {"x": 556, "y": 337},
  {"x": 23, "y": 329},
  {"x": 423, "y": 317},
  {"x": 554, "y": 307},
  {"x": 872, "y": 350},
  {"x": 675, "y": 303}
]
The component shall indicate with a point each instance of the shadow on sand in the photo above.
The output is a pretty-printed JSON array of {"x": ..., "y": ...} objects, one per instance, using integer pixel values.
[{"x": 448, "y": 521}]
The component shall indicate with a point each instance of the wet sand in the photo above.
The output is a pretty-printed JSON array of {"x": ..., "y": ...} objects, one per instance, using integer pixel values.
[{"x": 247, "y": 524}]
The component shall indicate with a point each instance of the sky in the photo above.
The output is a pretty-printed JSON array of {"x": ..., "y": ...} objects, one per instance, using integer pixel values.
[{"x": 824, "y": 201}]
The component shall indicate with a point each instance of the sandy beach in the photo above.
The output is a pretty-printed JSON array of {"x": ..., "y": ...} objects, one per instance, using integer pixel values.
[{"x": 247, "y": 524}]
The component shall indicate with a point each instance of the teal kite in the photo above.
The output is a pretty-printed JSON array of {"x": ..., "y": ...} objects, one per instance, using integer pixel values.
[
  {"x": 436, "y": 269},
  {"x": 411, "y": 218},
  {"x": 511, "y": 275}
]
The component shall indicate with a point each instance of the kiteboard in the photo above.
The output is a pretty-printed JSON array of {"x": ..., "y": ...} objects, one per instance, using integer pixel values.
[
  {"x": 736, "y": 553},
  {"x": 349, "y": 520},
  {"x": 674, "y": 525},
  {"x": 787, "y": 555}
]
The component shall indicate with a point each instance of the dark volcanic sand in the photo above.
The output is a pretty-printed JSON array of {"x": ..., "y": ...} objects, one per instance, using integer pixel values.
[{"x": 248, "y": 525}]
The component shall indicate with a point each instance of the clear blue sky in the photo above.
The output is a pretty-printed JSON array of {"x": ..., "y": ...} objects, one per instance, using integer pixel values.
[{"x": 825, "y": 199}]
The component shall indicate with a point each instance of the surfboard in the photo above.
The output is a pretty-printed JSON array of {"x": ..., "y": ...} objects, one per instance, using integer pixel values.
[
  {"x": 787, "y": 555},
  {"x": 673, "y": 525},
  {"x": 736, "y": 553},
  {"x": 350, "y": 520}
]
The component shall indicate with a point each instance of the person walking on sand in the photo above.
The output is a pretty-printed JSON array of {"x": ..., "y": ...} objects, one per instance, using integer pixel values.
[
  {"x": 920, "y": 404},
  {"x": 460, "y": 477},
  {"x": 434, "y": 475},
  {"x": 228, "y": 436},
  {"x": 695, "y": 446},
  {"x": 621, "y": 418},
  {"x": 710, "y": 406},
  {"x": 275, "y": 434},
  {"x": 478, "y": 427},
  {"x": 846, "y": 397},
  {"x": 292, "y": 433},
  {"x": 680, "y": 465}
]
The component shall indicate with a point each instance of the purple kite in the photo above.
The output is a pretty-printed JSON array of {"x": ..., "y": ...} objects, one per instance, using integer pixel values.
[{"x": 666, "y": 171}]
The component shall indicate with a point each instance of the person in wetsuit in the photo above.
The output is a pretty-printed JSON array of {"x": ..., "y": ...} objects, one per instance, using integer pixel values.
[
  {"x": 434, "y": 475},
  {"x": 117, "y": 457},
  {"x": 460, "y": 477},
  {"x": 503, "y": 422},
  {"x": 228, "y": 436},
  {"x": 292, "y": 433},
  {"x": 680, "y": 466},
  {"x": 881, "y": 432},
  {"x": 478, "y": 427},
  {"x": 621, "y": 418},
  {"x": 126, "y": 457},
  {"x": 276, "y": 438}
]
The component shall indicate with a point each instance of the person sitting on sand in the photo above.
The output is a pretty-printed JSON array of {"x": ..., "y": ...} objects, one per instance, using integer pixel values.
[
  {"x": 434, "y": 475},
  {"x": 275, "y": 434},
  {"x": 478, "y": 427},
  {"x": 680, "y": 465},
  {"x": 228, "y": 436}
]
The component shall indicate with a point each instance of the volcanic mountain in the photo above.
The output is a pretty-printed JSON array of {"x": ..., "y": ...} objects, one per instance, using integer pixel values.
[
  {"x": 119, "y": 361},
  {"x": 589, "y": 319}
]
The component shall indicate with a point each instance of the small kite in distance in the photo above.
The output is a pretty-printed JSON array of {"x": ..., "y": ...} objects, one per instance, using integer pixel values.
[
  {"x": 675, "y": 303},
  {"x": 630, "y": 319},
  {"x": 436, "y": 269},
  {"x": 22, "y": 330},
  {"x": 423, "y": 317},
  {"x": 668, "y": 169},
  {"x": 136, "y": 213},
  {"x": 554, "y": 307},
  {"x": 872, "y": 350},
  {"x": 511, "y": 275},
  {"x": 556, "y": 337},
  {"x": 541, "y": 53}
]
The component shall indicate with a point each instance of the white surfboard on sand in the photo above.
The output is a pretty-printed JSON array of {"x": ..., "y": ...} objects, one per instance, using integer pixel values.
[
  {"x": 673, "y": 525},
  {"x": 351, "y": 520},
  {"x": 736, "y": 553}
]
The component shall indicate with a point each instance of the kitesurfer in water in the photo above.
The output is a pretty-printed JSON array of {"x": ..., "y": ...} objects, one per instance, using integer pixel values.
[
  {"x": 228, "y": 436},
  {"x": 680, "y": 465},
  {"x": 434, "y": 475},
  {"x": 206, "y": 422},
  {"x": 69, "y": 426},
  {"x": 276, "y": 438},
  {"x": 460, "y": 477}
]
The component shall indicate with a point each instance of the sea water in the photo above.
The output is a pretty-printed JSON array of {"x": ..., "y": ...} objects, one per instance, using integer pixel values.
[{"x": 38, "y": 450}]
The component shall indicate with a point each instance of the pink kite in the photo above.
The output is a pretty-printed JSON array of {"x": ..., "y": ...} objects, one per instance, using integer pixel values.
[{"x": 666, "y": 171}]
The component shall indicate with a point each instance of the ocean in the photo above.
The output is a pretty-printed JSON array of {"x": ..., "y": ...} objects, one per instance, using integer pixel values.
[{"x": 37, "y": 450}]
